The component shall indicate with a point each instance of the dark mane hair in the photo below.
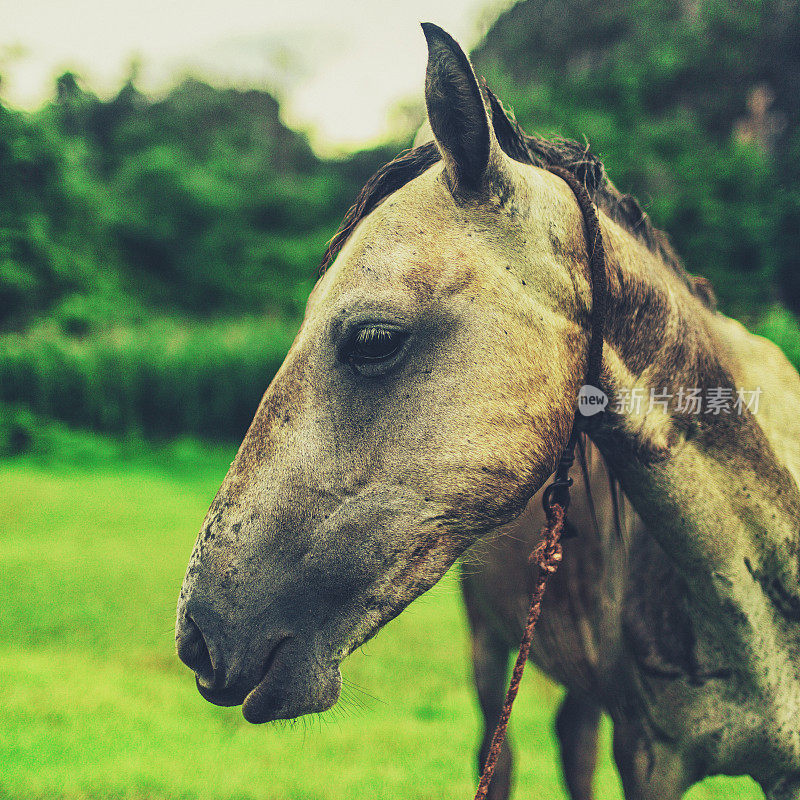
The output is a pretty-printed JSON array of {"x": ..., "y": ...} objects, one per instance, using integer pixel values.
[{"x": 587, "y": 167}]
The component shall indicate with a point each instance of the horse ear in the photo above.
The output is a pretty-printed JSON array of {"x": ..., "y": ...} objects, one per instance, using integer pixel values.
[{"x": 456, "y": 112}]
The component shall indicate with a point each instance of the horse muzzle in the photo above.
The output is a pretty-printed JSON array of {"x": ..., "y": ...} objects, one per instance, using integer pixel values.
[{"x": 279, "y": 679}]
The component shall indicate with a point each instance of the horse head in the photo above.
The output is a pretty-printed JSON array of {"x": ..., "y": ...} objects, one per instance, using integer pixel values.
[{"x": 425, "y": 399}]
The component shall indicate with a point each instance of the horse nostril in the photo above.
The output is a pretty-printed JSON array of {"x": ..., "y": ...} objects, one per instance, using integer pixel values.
[{"x": 193, "y": 651}]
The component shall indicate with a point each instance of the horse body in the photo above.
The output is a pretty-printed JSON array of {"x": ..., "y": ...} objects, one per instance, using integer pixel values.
[
  {"x": 424, "y": 403},
  {"x": 720, "y": 497},
  {"x": 621, "y": 632}
]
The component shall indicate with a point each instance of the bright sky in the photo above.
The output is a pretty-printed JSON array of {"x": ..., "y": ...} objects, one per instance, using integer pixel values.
[{"x": 337, "y": 65}]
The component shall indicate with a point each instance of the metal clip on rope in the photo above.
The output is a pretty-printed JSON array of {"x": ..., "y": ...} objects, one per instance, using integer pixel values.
[{"x": 558, "y": 490}]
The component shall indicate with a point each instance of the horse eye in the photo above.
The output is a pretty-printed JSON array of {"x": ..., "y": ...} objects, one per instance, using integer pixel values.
[{"x": 374, "y": 343}]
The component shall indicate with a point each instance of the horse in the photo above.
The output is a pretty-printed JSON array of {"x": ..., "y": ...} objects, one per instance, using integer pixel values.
[{"x": 426, "y": 399}]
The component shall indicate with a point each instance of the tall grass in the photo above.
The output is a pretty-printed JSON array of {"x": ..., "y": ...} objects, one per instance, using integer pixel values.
[{"x": 161, "y": 378}]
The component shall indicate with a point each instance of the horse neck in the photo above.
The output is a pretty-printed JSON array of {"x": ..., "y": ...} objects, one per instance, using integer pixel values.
[{"x": 710, "y": 487}]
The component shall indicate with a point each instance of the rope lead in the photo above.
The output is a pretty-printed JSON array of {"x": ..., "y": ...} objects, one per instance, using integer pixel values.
[{"x": 547, "y": 554}]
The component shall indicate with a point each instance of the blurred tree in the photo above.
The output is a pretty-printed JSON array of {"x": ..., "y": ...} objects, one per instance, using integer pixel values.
[
  {"x": 692, "y": 104},
  {"x": 202, "y": 202},
  {"x": 49, "y": 230}
]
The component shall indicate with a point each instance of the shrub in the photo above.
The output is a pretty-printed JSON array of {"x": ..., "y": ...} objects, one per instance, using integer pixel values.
[
  {"x": 781, "y": 326},
  {"x": 158, "y": 379}
]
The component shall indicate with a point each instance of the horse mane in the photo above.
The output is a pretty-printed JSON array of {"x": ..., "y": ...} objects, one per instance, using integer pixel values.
[{"x": 624, "y": 209}]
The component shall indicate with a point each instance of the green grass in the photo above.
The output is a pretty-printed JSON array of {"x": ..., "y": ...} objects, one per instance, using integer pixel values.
[{"x": 94, "y": 703}]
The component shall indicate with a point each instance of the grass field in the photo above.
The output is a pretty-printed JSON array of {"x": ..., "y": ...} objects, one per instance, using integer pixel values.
[{"x": 94, "y": 703}]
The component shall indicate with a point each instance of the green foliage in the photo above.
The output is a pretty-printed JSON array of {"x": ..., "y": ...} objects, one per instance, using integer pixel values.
[
  {"x": 780, "y": 327},
  {"x": 18, "y": 428},
  {"x": 693, "y": 108},
  {"x": 49, "y": 230},
  {"x": 156, "y": 379},
  {"x": 202, "y": 202},
  {"x": 46, "y": 444}
]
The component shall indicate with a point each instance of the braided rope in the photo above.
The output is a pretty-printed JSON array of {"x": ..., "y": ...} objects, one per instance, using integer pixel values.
[{"x": 547, "y": 556}]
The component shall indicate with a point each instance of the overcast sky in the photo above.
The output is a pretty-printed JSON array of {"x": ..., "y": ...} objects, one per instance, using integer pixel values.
[{"x": 338, "y": 65}]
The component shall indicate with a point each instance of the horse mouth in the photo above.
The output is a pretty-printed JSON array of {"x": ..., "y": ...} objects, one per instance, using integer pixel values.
[
  {"x": 237, "y": 693},
  {"x": 291, "y": 686},
  {"x": 291, "y": 683},
  {"x": 232, "y": 696}
]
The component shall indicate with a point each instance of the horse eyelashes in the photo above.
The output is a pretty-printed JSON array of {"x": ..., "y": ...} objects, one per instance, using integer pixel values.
[{"x": 376, "y": 343}]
